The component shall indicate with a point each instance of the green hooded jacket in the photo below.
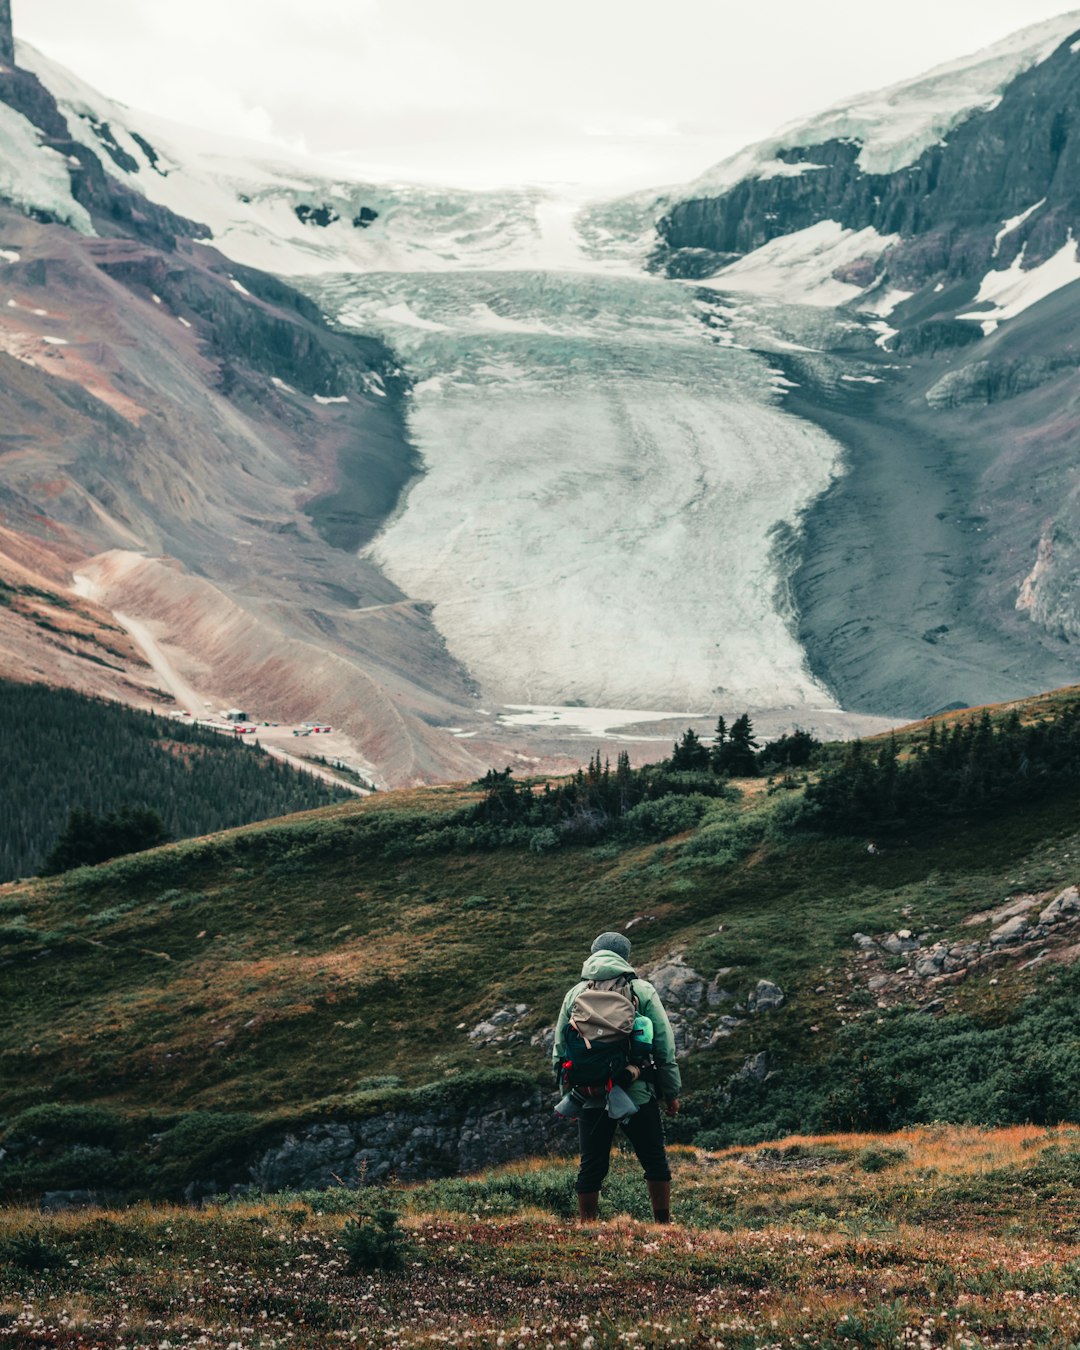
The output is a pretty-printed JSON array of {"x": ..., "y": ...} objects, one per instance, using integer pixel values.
[{"x": 606, "y": 966}]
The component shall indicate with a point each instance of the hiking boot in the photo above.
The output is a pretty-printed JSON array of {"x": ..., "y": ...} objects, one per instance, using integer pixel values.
[
  {"x": 588, "y": 1207},
  {"x": 660, "y": 1196}
]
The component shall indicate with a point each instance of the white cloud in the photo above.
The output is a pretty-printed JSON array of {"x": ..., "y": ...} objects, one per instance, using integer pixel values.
[{"x": 526, "y": 90}]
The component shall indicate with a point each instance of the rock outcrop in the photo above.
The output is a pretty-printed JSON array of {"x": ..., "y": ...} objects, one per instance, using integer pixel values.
[
  {"x": 7, "y": 37},
  {"x": 1026, "y": 931},
  {"x": 413, "y": 1145},
  {"x": 947, "y": 207}
]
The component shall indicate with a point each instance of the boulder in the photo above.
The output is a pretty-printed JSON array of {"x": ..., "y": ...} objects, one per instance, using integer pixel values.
[
  {"x": 896, "y": 944},
  {"x": 1063, "y": 906},
  {"x": 1011, "y": 931},
  {"x": 716, "y": 994},
  {"x": 676, "y": 982},
  {"x": 754, "y": 1067},
  {"x": 500, "y": 1026},
  {"x": 764, "y": 995}
]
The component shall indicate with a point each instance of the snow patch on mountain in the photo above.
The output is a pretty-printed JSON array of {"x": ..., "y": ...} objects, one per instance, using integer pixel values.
[
  {"x": 1014, "y": 223},
  {"x": 34, "y": 176},
  {"x": 295, "y": 215},
  {"x": 1012, "y": 289},
  {"x": 893, "y": 126},
  {"x": 800, "y": 268}
]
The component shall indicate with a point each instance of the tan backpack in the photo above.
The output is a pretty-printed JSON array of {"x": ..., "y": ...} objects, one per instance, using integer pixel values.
[{"x": 604, "y": 1011}]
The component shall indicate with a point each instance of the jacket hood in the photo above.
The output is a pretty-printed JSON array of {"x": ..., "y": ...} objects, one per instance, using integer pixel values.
[{"x": 605, "y": 966}]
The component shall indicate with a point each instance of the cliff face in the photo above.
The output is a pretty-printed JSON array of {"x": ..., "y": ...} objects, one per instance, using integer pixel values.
[
  {"x": 947, "y": 207},
  {"x": 7, "y": 38}
]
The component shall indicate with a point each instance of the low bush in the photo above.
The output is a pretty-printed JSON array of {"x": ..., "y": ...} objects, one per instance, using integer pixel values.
[{"x": 374, "y": 1241}]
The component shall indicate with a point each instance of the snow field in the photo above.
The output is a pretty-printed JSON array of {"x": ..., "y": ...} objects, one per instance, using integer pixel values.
[{"x": 1013, "y": 290}]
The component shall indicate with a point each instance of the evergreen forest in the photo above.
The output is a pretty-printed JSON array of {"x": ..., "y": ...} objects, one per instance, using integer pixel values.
[{"x": 63, "y": 753}]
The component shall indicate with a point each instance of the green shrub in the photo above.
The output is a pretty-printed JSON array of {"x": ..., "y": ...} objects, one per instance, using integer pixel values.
[
  {"x": 374, "y": 1242},
  {"x": 30, "y": 1252},
  {"x": 878, "y": 1158},
  {"x": 63, "y": 1123},
  {"x": 665, "y": 816},
  {"x": 203, "y": 1144}
]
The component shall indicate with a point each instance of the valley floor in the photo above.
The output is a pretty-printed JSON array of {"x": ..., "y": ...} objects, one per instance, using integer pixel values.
[{"x": 937, "y": 1236}]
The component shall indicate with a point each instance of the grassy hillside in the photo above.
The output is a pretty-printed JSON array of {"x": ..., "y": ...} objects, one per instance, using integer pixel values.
[
  {"x": 930, "y": 1237},
  {"x": 306, "y": 966},
  {"x": 62, "y": 751}
]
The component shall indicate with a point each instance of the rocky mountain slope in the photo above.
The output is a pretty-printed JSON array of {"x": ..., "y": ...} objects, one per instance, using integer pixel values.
[
  {"x": 192, "y": 442},
  {"x": 942, "y": 216}
]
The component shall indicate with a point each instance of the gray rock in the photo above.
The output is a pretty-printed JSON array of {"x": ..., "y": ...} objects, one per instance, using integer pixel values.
[
  {"x": 864, "y": 941},
  {"x": 1064, "y": 906},
  {"x": 896, "y": 944},
  {"x": 500, "y": 1026},
  {"x": 544, "y": 1039},
  {"x": 411, "y": 1145},
  {"x": 676, "y": 982},
  {"x": 930, "y": 964},
  {"x": 715, "y": 994},
  {"x": 1012, "y": 931},
  {"x": 764, "y": 995},
  {"x": 754, "y": 1066}
]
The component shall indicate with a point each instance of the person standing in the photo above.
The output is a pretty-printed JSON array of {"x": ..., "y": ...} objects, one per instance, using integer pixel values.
[{"x": 610, "y": 961}]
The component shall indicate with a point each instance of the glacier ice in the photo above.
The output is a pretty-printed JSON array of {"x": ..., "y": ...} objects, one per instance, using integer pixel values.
[
  {"x": 34, "y": 176},
  {"x": 603, "y": 486}
]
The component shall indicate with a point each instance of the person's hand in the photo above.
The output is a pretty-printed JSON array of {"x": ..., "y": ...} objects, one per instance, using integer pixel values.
[{"x": 671, "y": 1106}]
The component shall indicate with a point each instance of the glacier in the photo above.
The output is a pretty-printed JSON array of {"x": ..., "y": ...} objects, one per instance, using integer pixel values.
[
  {"x": 605, "y": 481},
  {"x": 611, "y": 483}
]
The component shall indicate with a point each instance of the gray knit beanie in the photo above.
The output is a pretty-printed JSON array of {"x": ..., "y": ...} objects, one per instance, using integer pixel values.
[{"x": 612, "y": 942}]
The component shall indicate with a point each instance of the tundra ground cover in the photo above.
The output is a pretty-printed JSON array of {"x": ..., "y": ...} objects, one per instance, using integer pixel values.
[{"x": 928, "y": 1237}]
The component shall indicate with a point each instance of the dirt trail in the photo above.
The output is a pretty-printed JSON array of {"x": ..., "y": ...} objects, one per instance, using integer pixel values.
[{"x": 187, "y": 696}]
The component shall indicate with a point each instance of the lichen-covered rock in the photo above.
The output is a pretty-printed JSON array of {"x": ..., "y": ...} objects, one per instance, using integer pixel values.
[
  {"x": 676, "y": 982},
  {"x": 1010, "y": 931},
  {"x": 501, "y": 1027},
  {"x": 692, "y": 1003},
  {"x": 902, "y": 941}
]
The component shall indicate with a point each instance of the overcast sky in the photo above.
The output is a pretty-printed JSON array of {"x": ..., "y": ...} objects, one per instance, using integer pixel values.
[{"x": 607, "y": 92}]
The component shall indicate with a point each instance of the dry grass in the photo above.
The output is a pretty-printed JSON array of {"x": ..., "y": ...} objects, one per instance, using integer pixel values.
[{"x": 950, "y": 1244}]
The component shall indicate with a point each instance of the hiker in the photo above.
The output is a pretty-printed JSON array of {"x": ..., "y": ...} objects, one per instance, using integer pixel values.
[{"x": 645, "y": 1079}]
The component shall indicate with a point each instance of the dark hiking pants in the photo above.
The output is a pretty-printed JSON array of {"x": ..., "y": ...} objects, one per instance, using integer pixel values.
[{"x": 644, "y": 1129}]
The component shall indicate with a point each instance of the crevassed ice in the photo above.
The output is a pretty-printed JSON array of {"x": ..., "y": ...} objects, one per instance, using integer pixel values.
[{"x": 603, "y": 485}]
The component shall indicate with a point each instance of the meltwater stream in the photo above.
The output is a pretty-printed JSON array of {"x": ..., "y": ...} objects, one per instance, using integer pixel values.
[{"x": 609, "y": 477}]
